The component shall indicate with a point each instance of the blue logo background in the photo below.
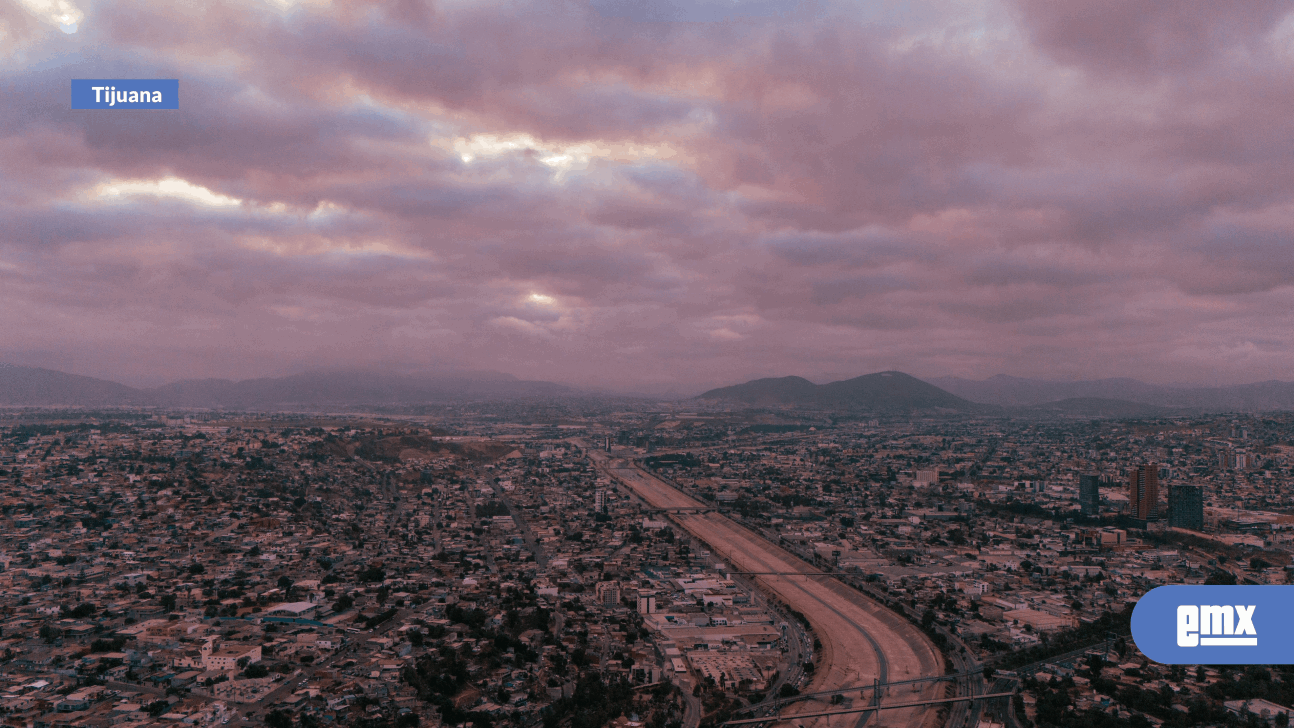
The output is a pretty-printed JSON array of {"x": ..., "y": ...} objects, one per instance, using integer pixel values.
[
  {"x": 1154, "y": 625},
  {"x": 83, "y": 92}
]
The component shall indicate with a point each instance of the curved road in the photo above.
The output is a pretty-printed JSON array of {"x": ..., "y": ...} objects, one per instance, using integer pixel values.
[{"x": 862, "y": 641}]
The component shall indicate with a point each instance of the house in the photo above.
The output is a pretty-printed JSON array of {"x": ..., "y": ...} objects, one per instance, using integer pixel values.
[
  {"x": 226, "y": 658},
  {"x": 299, "y": 610}
]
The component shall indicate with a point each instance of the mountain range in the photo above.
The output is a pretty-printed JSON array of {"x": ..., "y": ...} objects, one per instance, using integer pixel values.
[
  {"x": 1010, "y": 391},
  {"x": 897, "y": 393},
  {"x": 883, "y": 393},
  {"x": 35, "y": 387}
]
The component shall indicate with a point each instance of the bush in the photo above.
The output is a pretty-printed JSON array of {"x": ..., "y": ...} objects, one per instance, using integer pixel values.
[{"x": 255, "y": 671}]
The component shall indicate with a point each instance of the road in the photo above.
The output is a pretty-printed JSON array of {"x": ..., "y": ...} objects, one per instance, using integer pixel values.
[
  {"x": 519, "y": 521},
  {"x": 862, "y": 641}
]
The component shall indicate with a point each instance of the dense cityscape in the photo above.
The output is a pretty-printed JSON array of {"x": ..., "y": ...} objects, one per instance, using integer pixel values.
[
  {"x": 646, "y": 364},
  {"x": 501, "y": 566}
]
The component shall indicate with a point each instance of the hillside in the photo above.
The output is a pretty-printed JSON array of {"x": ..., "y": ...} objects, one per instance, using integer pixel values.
[
  {"x": 34, "y": 387},
  {"x": 882, "y": 392}
]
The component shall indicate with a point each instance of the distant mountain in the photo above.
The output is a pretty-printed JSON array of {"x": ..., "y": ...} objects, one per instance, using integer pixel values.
[
  {"x": 1018, "y": 392},
  {"x": 1093, "y": 407},
  {"x": 34, "y": 387},
  {"x": 1015, "y": 391},
  {"x": 346, "y": 389},
  {"x": 772, "y": 391},
  {"x": 883, "y": 392},
  {"x": 26, "y": 386}
]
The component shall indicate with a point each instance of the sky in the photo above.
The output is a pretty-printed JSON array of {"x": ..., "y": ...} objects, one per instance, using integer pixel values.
[{"x": 659, "y": 195}]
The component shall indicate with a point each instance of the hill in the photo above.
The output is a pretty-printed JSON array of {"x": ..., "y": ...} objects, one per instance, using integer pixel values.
[
  {"x": 35, "y": 387},
  {"x": 882, "y": 392},
  {"x": 766, "y": 392}
]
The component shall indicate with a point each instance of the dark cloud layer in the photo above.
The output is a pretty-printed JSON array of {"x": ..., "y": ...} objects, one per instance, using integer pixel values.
[{"x": 665, "y": 195}]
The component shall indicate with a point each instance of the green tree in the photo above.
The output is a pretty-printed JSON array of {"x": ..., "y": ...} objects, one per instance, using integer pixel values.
[
  {"x": 157, "y": 708},
  {"x": 255, "y": 671}
]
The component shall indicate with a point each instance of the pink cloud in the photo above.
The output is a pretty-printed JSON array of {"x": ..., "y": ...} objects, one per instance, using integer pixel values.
[{"x": 701, "y": 199}]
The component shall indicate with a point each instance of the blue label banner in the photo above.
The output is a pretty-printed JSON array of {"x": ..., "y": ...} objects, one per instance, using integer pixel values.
[
  {"x": 1216, "y": 625},
  {"x": 125, "y": 93}
]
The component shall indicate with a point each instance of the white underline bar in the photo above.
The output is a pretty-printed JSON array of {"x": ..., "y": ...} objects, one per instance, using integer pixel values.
[{"x": 1228, "y": 641}]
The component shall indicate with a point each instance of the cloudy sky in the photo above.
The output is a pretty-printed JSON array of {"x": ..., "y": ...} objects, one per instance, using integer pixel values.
[{"x": 653, "y": 195}]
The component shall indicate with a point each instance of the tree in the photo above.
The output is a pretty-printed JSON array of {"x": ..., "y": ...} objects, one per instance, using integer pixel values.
[
  {"x": 168, "y": 602},
  {"x": 255, "y": 671},
  {"x": 80, "y": 611},
  {"x": 1224, "y": 578},
  {"x": 157, "y": 707},
  {"x": 278, "y": 718},
  {"x": 1095, "y": 663}
]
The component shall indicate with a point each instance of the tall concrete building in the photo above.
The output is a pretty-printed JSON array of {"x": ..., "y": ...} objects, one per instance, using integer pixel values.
[
  {"x": 1089, "y": 494},
  {"x": 646, "y": 603},
  {"x": 1143, "y": 492},
  {"x": 1186, "y": 507},
  {"x": 600, "y": 500},
  {"x": 608, "y": 593}
]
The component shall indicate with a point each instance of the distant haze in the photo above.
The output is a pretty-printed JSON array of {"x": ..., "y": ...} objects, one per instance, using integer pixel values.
[{"x": 660, "y": 196}]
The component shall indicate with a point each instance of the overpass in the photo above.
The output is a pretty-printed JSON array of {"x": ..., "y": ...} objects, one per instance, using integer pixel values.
[{"x": 876, "y": 687}]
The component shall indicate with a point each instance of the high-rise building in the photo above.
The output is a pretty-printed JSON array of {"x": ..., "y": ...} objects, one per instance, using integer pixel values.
[
  {"x": 608, "y": 593},
  {"x": 930, "y": 477},
  {"x": 646, "y": 603},
  {"x": 1089, "y": 494},
  {"x": 600, "y": 500},
  {"x": 1143, "y": 492},
  {"x": 1186, "y": 507}
]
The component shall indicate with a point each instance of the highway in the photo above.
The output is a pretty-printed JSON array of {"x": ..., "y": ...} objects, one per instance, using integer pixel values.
[{"x": 861, "y": 641}]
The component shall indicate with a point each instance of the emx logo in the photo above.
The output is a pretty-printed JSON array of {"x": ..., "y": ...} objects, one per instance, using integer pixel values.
[
  {"x": 1222, "y": 623},
  {"x": 1216, "y": 624}
]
